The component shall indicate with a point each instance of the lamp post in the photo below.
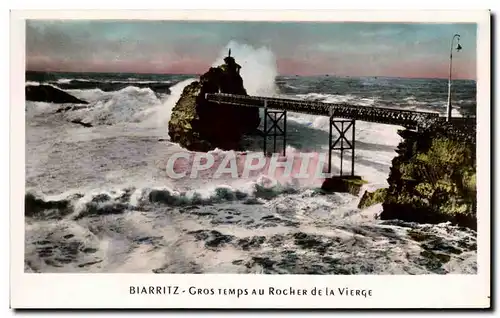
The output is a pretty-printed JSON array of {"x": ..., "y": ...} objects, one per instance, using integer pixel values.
[{"x": 459, "y": 47}]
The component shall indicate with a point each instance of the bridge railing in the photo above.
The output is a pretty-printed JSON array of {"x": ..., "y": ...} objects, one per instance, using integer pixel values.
[{"x": 382, "y": 115}]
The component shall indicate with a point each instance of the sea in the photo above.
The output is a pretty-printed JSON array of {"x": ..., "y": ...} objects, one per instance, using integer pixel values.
[{"x": 100, "y": 200}]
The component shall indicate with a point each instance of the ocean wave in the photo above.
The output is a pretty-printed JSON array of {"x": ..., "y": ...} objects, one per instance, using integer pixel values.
[
  {"x": 69, "y": 80},
  {"x": 159, "y": 115},
  {"x": 32, "y": 83},
  {"x": 111, "y": 85},
  {"x": 161, "y": 230},
  {"x": 335, "y": 98},
  {"x": 130, "y": 80},
  {"x": 77, "y": 205},
  {"x": 127, "y": 105},
  {"x": 130, "y": 104},
  {"x": 35, "y": 83}
]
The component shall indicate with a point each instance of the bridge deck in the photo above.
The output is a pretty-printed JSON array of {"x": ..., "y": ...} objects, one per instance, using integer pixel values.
[{"x": 381, "y": 115}]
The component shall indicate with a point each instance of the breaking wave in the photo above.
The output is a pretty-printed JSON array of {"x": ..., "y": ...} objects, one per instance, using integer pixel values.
[
  {"x": 258, "y": 67},
  {"x": 108, "y": 108},
  {"x": 131, "y": 104},
  {"x": 161, "y": 87},
  {"x": 160, "y": 230},
  {"x": 100, "y": 202}
]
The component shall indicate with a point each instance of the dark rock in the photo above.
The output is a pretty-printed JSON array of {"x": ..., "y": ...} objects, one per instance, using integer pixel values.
[
  {"x": 76, "y": 121},
  {"x": 50, "y": 94},
  {"x": 349, "y": 184},
  {"x": 372, "y": 198},
  {"x": 202, "y": 126},
  {"x": 433, "y": 178}
]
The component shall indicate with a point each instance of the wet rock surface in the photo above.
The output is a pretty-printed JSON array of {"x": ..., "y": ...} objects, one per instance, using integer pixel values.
[
  {"x": 433, "y": 178},
  {"x": 348, "y": 184}
]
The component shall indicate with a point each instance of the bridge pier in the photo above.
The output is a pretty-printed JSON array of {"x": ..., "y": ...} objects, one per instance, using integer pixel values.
[
  {"x": 274, "y": 117},
  {"x": 343, "y": 144}
]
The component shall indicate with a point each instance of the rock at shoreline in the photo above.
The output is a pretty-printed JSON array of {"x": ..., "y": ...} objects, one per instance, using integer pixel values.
[
  {"x": 372, "y": 198},
  {"x": 50, "y": 94},
  {"x": 202, "y": 126},
  {"x": 348, "y": 184},
  {"x": 433, "y": 179}
]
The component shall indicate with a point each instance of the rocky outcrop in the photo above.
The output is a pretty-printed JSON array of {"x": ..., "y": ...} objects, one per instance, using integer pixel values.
[
  {"x": 347, "y": 184},
  {"x": 199, "y": 125},
  {"x": 433, "y": 178},
  {"x": 371, "y": 198},
  {"x": 50, "y": 94}
]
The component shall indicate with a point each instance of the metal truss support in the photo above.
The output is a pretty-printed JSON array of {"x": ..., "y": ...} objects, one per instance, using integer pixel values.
[
  {"x": 341, "y": 126},
  {"x": 275, "y": 130}
]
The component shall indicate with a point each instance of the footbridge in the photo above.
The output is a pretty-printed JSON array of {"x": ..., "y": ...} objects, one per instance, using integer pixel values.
[{"x": 342, "y": 119}]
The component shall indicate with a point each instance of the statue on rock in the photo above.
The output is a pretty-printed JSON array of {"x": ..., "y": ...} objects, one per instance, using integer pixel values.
[
  {"x": 231, "y": 64},
  {"x": 199, "y": 125}
]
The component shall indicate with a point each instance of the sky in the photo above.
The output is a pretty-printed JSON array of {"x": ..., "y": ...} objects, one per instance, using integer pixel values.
[{"x": 186, "y": 47}]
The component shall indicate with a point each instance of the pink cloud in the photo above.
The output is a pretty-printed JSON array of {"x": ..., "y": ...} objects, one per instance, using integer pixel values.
[{"x": 317, "y": 65}]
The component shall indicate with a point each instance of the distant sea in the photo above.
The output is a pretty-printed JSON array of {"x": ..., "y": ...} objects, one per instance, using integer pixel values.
[{"x": 422, "y": 94}]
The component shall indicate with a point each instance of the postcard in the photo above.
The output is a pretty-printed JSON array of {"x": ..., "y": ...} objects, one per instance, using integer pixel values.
[{"x": 233, "y": 159}]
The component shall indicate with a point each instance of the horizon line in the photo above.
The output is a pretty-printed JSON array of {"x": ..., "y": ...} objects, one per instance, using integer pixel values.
[{"x": 293, "y": 75}]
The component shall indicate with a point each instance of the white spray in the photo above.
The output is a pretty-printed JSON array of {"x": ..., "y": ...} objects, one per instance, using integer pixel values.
[
  {"x": 258, "y": 67},
  {"x": 164, "y": 112},
  {"x": 259, "y": 70}
]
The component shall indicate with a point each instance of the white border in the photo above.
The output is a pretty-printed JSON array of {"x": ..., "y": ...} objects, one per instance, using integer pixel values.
[{"x": 111, "y": 290}]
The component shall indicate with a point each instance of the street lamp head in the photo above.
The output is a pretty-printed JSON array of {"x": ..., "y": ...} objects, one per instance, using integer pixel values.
[{"x": 459, "y": 47}]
